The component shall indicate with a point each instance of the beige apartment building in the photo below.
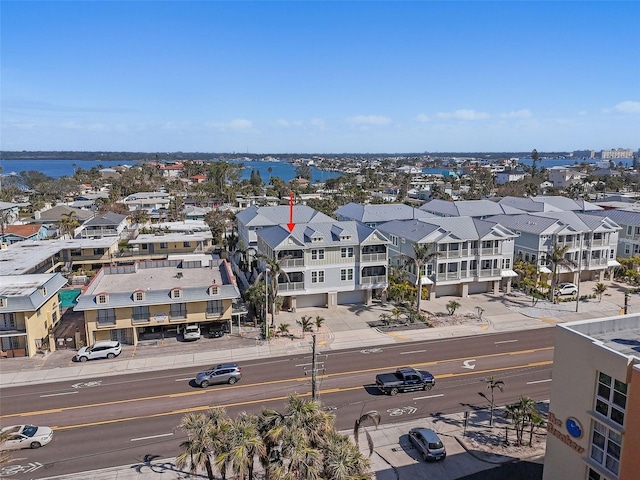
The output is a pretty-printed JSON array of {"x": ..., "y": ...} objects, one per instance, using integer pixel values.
[
  {"x": 594, "y": 414},
  {"x": 154, "y": 297}
]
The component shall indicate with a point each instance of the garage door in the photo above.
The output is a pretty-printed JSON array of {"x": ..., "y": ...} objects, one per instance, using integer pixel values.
[
  {"x": 480, "y": 287},
  {"x": 446, "y": 291},
  {"x": 348, "y": 298},
  {"x": 314, "y": 300}
]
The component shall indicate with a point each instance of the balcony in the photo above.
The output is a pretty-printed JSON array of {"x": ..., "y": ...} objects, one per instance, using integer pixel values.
[
  {"x": 450, "y": 254},
  {"x": 600, "y": 242},
  {"x": 448, "y": 276},
  {"x": 214, "y": 314},
  {"x": 373, "y": 257},
  {"x": 490, "y": 272},
  {"x": 490, "y": 251},
  {"x": 290, "y": 286},
  {"x": 292, "y": 262},
  {"x": 374, "y": 280}
]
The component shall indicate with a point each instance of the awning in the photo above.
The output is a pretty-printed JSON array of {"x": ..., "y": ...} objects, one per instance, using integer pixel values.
[
  {"x": 613, "y": 263},
  {"x": 12, "y": 333},
  {"x": 545, "y": 270},
  {"x": 426, "y": 281},
  {"x": 508, "y": 273}
]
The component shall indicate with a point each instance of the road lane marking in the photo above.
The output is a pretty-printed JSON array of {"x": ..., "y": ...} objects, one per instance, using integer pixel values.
[
  {"x": 413, "y": 351},
  {"x": 183, "y": 379},
  {"x": 57, "y": 394},
  {"x": 539, "y": 381},
  {"x": 505, "y": 341},
  {"x": 429, "y": 396},
  {"x": 302, "y": 380},
  {"x": 152, "y": 436}
]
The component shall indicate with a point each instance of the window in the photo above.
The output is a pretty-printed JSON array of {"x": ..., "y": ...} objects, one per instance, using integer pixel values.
[
  {"x": 76, "y": 252},
  {"x": 637, "y": 230},
  {"x": 178, "y": 310},
  {"x": 138, "y": 296},
  {"x": 346, "y": 274},
  {"x": 485, "y": 265},
  {"x": 186, "y": 244},
  {"x": 102, "y": 298},
  {"x": 7, "y": 321},
  {"x": 317, "y": 254},
  {"x": 43, "y": 290},
  {"x": 3, "y": 302},
  {"x": 346, "y": 252},
  {"x": 54, "y": 317},
  {"x": 214, "y": 307},
  {"x": 141, "y": 314},
  {"x": 317, "y": 276},
  {"x": 98, "y": 251},
  {"x": 627, "y": 249},
  {"x": 176, "y": 293},
  {"x": 106, "y": 317},
  {"x": 611, "y": 398},
  {"x": 394, "y": 240},
  {"x": 38, "y": 312},
  {"x": 163, "y": 245},
  {"x": 213, "y": 290},
  {"x": 605, "y": 447},
  {"x": 629, "y": 230}
]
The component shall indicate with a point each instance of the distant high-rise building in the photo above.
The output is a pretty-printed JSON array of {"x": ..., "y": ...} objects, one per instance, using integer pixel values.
[{"x": 617, "y": 153}]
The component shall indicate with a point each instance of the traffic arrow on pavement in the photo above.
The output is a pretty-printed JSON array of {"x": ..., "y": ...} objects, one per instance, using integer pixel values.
[{"x": 468, "y": 364}]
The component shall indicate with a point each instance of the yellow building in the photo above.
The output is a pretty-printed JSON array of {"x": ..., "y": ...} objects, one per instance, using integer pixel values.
[
  {"x": 594, "y": 413},
  {"x": 29, "y": 310},
  {"x": 128, "y": 302}
]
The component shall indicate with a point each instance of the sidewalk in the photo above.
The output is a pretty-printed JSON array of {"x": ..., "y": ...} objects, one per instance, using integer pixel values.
[{"x": 344, "y": 327}]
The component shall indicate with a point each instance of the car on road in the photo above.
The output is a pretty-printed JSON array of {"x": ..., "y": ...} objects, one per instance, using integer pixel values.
[
  {"x": 405, "y": 379},
  {"x": 427, "y": 443},
  {"x": 190, "y": 331},
  {"x": 25, "y": 436},
  {"x": 566, "y": 289},
  {"x": 101, "y": 349},
  {"x": 224, "y": 373}
]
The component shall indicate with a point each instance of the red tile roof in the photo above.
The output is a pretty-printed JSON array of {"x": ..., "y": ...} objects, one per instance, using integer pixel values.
[{"x": 24, "y": 231}]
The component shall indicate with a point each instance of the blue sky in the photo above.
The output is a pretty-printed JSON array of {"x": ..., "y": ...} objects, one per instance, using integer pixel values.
[{"x": 320, "y": 77}]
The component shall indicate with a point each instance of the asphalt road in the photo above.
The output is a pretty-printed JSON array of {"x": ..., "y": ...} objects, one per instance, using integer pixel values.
[{"x": 116, "y": 420}]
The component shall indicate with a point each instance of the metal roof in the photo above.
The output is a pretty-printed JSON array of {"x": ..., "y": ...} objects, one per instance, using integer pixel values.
[
  {"x": 325, "y": 234},
  {"x": 378, "y": 213},
  {"x": 24, "y": 292},
  {"x": 280, "y": 215},
  {"x": 467, "y": 208}
]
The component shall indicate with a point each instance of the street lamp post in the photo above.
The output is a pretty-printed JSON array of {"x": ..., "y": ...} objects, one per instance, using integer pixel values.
[{"x": 266, "y": 303}]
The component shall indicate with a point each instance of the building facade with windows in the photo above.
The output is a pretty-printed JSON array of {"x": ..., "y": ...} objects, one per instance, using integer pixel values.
[
  {"x": 29, "y": 310},
  {"x": 629, "y": 235},
  {"x": 594, "y": 413},
  {"x": 591, "y": 242},
  {"x": 126, "y": 302},
  {"x": 327, "y": 264},
  {"x": 168, "y": 243},
  {"x": 472, "y": 255}
]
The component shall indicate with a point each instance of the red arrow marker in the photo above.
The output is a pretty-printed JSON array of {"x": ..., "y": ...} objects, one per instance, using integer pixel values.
[{"x": 291, "y": 225}]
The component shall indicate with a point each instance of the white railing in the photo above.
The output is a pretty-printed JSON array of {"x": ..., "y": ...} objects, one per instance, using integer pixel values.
[
  {"x": 374, "y": 279},
  {"x": 293, "y": 262},
  {"x": 373, "y": 257},
  {"x": 289, "y": 286}
]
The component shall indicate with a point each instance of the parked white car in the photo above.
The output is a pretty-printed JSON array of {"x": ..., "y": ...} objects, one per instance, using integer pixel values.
[
  {"x": 190, "y": 331},
  {"x": 102, "y": 349},
  {"x": 567, "y": 289},
  {"x": 25, "y": 436}
]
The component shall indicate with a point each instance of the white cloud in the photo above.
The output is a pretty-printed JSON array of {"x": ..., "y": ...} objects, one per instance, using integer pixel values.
[
  {"x": 523, "y": 113},
  {"x": 369, "y": 120},
  {"x": 318, "y": 123},
  {"x": 421, "y": 117},
  {"x": 626, "y": 107},
  {"x": 235, "y": 125},
  {"x": 463, "y": 114}
]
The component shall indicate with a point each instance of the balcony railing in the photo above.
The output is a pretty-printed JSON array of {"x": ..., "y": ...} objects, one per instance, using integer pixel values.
[
  {"x": 214, "y": 314},
  {"x": 490, "y": 272},
  {"x": 601, "y": 242},
  {"x": 450, "y": 254},
  {"x": 373, "y": 279},
  {"x": 140, "y": 319},
  {"x": 373, "y": 257},
  {"x": 448, "y": 276},
  {"x": 489, "y": 251},
  {"x": 289, "y": 286},
  {"x": 293, "y": 262}
]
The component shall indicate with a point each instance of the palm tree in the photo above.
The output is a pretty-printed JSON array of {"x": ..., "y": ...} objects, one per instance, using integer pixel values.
[
  {"x": 318, "y": 321},
  {"x": 556, "y": 258},
  {"x": 254, "y": 295},
  {"x": 306, "y": 324},
  {"x": 492, "y": 384},
  {"x": 274, "y": 266},
  {"x": 68, "y": 223},
  {"x": 283, "y": 329},
  {"x": 422, "y": 256},
  {"x": 599, "y": 290},
  {"x": 452, "y": 306},
  {"x": 196, "y": 450},
  {"x": 343, "y": 460},
  {"x": 370, "y": 418},
  {"x": 245, "y": 444}
]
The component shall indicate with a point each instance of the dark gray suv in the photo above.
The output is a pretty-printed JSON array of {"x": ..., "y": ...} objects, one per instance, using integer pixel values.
[{"x": 224, "y": 373}]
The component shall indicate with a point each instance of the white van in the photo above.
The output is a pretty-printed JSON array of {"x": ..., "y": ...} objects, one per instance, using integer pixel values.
[{"x": 190, "y": 331}]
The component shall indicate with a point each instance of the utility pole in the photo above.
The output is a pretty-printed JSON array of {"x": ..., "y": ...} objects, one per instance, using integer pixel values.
[{"x": 315, "y": 367}]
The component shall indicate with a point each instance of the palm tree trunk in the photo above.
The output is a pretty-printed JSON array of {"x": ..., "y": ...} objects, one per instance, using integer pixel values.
[{"x": 207, "y": 465}]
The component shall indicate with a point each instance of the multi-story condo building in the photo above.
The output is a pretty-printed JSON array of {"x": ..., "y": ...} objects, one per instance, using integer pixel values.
[
  {"x": 29, "y": 310},
  {"x": 107, "y": 225},
  {"x": 473, "y": 255},
  {"x": 616, "y": 153},
  {"x": 152, "y": 202},
  {"x": 326, "y": 264},
  {"x": 377, "y": 214},
  {"x": 594, "y": 413},
  {"x": 629, "y": 235},
  {"x": 591, "y": 242},
  {"x": 126, "y": 302},
  {"x": 255, "y": 218}
]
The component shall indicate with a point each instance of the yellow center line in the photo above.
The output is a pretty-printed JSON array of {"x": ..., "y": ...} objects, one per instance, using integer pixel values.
[{"x": 287, "y": 380}]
